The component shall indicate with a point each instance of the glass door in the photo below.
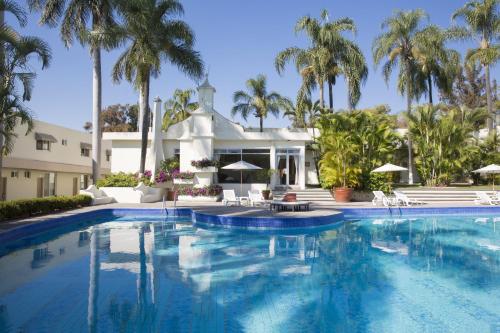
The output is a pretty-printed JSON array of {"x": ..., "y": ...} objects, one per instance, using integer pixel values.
[{"x": 287, "y": 167}]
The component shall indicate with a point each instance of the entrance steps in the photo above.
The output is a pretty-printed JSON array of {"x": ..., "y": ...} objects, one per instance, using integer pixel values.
[{"x": 317, "y": 196}]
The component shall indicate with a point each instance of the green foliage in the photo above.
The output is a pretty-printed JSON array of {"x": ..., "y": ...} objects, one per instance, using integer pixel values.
[
  {"x": 353, "y": 143},
  {"x": 170, "y": 164},
  {"x": 443, "y": 142},
  {"x": 29, "y": 207},
  {"x": 178, "y": 108},
  {"x": 122, "y": 179},
  {"x": 380, "y": 182}
]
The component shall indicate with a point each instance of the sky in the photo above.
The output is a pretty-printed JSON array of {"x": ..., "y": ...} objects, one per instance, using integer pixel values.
[{"x": 237, "y": 40}]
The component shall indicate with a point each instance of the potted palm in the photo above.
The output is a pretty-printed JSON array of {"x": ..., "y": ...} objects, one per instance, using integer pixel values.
[
  {"x": 266, "y": 194},
  {"x": 339, "y": 167}
]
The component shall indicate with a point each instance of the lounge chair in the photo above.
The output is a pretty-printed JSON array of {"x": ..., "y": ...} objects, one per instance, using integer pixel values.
[
  {"x": 98, "y": 196},
  {"x": 484, "y": 199},
  {"x": 230, "y": 198},
  {"x": 380, "y": 197},
  {"x": 405, "y": 200},
  {"x": 255, "y": 198},
  {"x": 148, "y": 193}
]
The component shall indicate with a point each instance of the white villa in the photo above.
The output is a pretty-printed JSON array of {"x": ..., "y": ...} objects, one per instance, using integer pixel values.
[{"x": 208, "y": 134}]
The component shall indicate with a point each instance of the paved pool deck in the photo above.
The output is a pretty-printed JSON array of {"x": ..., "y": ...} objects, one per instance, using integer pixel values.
[{"x": 216, "y": 208}]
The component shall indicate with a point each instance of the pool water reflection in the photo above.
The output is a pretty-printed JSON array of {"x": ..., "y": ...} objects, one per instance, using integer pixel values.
[{"x": 434, "y": 274}]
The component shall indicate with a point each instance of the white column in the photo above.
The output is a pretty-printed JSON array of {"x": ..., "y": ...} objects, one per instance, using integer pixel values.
[
  {"x": 155, "y": 153},
  {"x": 302, "y": 167},
  {"x": 272, "y": 158}
]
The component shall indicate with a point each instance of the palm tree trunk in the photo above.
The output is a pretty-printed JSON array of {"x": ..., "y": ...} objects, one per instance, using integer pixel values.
[
  {"x": 330, "y": 93},
  {"x": 321, "y": 94},
  {"x": 2, "y": 21},
  {"x": 408, "y": 109},
  {"x": 261, "y": 123},
  {"x": 96, "y": 111},
  {"x": 144, "y": 109},
  {"x": 489, "y": 101},
  {"x": 429, "y": 83}
]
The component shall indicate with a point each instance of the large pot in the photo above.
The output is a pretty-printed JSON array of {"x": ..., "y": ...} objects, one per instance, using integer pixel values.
[
  {"x": 266, "y": 194},
  {"x": 343, "y": 194}
]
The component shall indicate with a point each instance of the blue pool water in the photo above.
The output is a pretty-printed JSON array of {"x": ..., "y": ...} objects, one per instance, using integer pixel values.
[{"x": 151, "y": 274}]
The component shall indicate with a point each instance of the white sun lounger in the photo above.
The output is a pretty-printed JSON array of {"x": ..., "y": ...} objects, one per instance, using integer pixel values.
[
  {"x": 484, "y": 199},
  {"x": 255, "y": 198},
  {"x": 405, "y": 200},
  {"x": 380, "y": 197},
  {"x": 230, "y": 198}
]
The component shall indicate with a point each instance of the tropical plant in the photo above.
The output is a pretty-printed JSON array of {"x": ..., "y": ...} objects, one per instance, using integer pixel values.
[
  {"x": 258, "y": 101},
  {"x": 468, "y": 88},
  {"x": 205, "y": 163},
  {"x": 17, "y": 77},
  {"x": 438, "y": 64},
  {"x": 178, "y": 108},
  {"x": 444, "y": 141},
  {"x": 206, "y": 191},
  {"x": 122, "y": 179},
  {"x": 397, "y": 45},
  {"x": 97, "y": 34},
  {"x": 345, "y": 57},
  {"x": 152, "y": 36},
  {"x": 354, "y": 143},
  {"x": 482, "y": 21}
]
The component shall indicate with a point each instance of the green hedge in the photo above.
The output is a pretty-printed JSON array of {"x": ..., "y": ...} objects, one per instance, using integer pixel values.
[{"x": 29, "y": 207}]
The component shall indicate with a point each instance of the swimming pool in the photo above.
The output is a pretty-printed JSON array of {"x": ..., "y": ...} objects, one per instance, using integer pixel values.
[{"x": 146, "y": 273}]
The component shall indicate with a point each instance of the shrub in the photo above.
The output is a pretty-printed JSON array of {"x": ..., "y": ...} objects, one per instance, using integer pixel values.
[
  {"x": 176, "y": 174},
  {"x": 29, "y": 207},
  {"x": 122, "y": 179},
  {"x": 205, "y": 163},
  {"x": 170, "y": 164},
  {"x": 380, "y": 182},
  {"x": 207, "y": 191}
]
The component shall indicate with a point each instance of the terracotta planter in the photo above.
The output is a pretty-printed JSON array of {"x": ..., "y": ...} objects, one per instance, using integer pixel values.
[
  {"x": 170, "y": 195},
  {"x": 290, "y": 197},
  {"x": 343, "y": 194},
  {"x": 266, "y": 194}
]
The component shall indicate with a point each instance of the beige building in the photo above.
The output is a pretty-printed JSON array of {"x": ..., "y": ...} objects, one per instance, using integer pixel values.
[{"x": 50, "y": 160}]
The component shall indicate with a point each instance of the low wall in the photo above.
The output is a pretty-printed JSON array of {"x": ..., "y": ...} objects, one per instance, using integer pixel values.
[
  {"x": 246, "y": 188},
  {"x": 125, "y": 194},
  {"x": 197, "y": 198}
]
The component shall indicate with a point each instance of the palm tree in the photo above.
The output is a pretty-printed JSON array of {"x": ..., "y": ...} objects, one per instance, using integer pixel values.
[
  {"x": 258, "y": 101},
  {"x": 435, "y": 60},
  {"x": 16, "y": 79},
  {"x": 179, "y": 107},
  {"x": 97, "y": 34},
  {"x": 397, "y": 44},
  {"x": 153, "y": 36},
  {"x": 345, "y": 57},
  {"x": 482, "y": 24}
]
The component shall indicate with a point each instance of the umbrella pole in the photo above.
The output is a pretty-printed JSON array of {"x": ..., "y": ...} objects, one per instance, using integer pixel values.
[{"x": 241, "y": 183}]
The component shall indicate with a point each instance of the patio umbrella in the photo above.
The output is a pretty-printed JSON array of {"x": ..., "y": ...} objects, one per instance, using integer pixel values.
[
  {"x": 241, "y": 165},
  {"x": 388, "y": 167},
  {"x": 490, "y": 169}
]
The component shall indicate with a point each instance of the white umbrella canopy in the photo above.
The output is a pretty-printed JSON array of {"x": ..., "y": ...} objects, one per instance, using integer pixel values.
[
  {"x": 489, "y": 169},
  {"x": 389, "y": 168},
  {"x": 241, "y": 165}
]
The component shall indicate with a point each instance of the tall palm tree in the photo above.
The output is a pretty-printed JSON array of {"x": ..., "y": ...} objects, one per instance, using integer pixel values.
[
  {"x": 435, "y": 60},
  {"x": 153, "y": 36},
  {"x": 258, "y": 101},
  {"x": 345, "y": 57},
  {"x": 482, "y": 21},
  {"x": 16, "y": 79},
  {"x": 96, "y": 34},
  {"x": 397, "y": 45},
  {"x": 179, "y": 107}
]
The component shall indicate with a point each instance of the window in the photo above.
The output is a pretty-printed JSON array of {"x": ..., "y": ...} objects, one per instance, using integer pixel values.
[
  {"x": 108, "y": 155},
  {"x": 49, "y": 184},
  {"x": 177, "y": 154},
  {"x": 258, "y": 157},
  {"x": 84, "y": 182},
  {"x": 85, "y": 152},
  {"x": 64, "y": 142},
  {"x": 27, "y": 174},
  {"x": 42, "y": 145},
  {"x": 14, "y": 174}
]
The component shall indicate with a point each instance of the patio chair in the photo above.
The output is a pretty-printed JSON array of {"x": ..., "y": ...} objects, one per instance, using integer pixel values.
[
  {"x": 230, "y": 198},
  {"x": 98, "y": 196},
  {"x": 380, "y": 197},
  {"x": 484, "y": 199},
  {"x": 255, "y": 198},
  {"x": 405, "y": 200}
]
